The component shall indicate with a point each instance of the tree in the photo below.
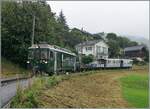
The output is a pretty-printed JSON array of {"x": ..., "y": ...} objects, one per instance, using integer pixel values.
[
  {"x": 16, "y": 28},
  {"x": 87, "y": 59},
  {"x": 62, "y": 20},
  {"x": 111, "y": 36}
]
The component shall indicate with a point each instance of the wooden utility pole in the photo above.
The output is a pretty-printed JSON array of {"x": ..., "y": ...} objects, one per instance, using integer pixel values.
[{"x": 33, "y": 27}]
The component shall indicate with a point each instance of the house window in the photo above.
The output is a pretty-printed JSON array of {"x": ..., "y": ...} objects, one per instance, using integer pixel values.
[
  {"x": 79, "y": 49},
  {"x": 88, "y": 48},
  {"x": 104, "y": 50},
  {"x": 98, "y": 49}
]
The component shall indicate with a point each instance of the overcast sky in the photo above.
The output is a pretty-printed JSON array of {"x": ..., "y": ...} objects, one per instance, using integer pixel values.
[{"x": 121, "y": 17}]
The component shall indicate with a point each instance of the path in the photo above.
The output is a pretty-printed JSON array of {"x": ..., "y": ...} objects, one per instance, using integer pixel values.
[{"x": 9, "y": 90}]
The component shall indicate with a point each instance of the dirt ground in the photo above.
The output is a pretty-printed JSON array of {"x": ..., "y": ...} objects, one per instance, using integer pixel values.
[{"x": 94, "y": 90}]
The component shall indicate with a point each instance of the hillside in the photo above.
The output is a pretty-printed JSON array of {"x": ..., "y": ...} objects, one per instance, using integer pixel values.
[{"x": 10, "y": 69}]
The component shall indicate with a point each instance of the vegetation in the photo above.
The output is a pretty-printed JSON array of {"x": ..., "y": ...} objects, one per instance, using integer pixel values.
[
  {"x": 117, "y": 44},
  {"x": 81, "y": 89},
  {"x": 135, "y": 90},
  {"x": 87, "y": 59},
  {"x": 10, "y": 69},
  {"x": 29, "y": 97}
]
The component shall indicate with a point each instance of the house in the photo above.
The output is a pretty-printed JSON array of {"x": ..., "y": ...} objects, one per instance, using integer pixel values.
[
  {"x": 135, "y": 52},
  {"x": 97, "y": 48}
]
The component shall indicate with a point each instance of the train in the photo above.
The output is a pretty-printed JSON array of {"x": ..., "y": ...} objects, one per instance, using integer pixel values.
[{"x": 53, "y": 59}]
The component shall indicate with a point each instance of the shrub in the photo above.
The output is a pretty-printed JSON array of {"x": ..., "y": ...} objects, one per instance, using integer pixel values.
[{"x": 87, "y": 59}]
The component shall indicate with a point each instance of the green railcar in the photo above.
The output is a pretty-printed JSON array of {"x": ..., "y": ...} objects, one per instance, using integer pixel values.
[{"x": 50, "y": 59}]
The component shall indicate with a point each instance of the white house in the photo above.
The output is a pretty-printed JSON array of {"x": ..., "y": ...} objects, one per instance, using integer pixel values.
[{"x": 98, "y": 48}]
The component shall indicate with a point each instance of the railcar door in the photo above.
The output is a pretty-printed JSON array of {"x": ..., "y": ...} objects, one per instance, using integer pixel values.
[
  {"x": 59, "y": 61},
  {"x": 121, "y": 63},
  {"x": 51, "y": 62}
]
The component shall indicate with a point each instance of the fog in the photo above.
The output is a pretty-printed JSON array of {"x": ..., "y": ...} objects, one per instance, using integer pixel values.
[{"x": 121, "y": 17}]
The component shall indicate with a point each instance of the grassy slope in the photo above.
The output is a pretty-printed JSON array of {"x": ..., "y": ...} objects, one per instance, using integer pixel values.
[
  {"x": 10, "y": 69},
  {"x": 134, "y": 84},
  {"x": 29, "y": 97},
  {"x": 135, "y": 90}
]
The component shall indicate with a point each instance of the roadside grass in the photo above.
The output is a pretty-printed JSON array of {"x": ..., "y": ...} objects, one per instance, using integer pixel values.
[
  {"x": 135, "y": 89},
  {"x": 28, "y": 98},
  {"x": 10, "y": 69}
]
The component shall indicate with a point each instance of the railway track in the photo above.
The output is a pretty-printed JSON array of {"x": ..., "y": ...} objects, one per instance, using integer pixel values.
[{"x": 9, "y": 89}]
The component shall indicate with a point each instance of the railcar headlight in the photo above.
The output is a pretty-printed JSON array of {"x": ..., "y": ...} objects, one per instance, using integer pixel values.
[
  {"x": 45, "y": 62},
  {"x": 28, "y": 61}
]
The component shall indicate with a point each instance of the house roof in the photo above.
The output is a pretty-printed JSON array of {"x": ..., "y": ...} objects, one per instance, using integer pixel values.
[
  {"x": 87, "y": 43},
  {"x": 134, "y": 48}
]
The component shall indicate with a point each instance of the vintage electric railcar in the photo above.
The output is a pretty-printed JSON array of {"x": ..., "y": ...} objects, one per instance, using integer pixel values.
[
  {"x": 50, "y": 59},
  {"x": 53, "y": 59}
]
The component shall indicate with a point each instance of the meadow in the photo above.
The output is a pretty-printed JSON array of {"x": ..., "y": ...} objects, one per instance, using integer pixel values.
[{"x": 118, "y": 88}]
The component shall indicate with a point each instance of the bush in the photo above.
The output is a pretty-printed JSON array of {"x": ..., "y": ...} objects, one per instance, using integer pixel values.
[{"x": 87, "y": 59}]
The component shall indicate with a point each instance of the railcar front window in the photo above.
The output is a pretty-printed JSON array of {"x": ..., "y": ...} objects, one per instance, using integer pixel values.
[
  {"x": 44, "y": 54},
  {"x": 37, "y": 54},
  {"x": 31, "y": 54}
]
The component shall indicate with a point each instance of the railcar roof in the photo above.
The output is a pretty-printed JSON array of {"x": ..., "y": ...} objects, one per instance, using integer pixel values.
[{"x": 52, "y": 47}]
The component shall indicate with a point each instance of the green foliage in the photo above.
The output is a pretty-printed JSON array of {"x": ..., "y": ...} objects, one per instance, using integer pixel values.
[
  {"x": 10, "y": 69},
  {"x": 117, "y": 44},
  {"x": 17, "y": 28},
  {"x": 87, "y": 59},
  {"x": 135, "y": 90},
  {"x": 28, "y": 98},
  {"x": 51, "y": 82},
  {"x": 62, "y": 21}
]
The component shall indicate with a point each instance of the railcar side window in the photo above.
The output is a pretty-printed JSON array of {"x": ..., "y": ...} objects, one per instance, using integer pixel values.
[
  {"x": 51, "y": 55},
  {"x": 114, "y": 61},
  {"x": 130, "y": 62}
]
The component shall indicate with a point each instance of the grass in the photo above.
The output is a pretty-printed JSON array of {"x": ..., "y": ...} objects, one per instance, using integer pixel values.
[
  {"x": 28, "y": 98},
  {"x": 135, "y": 90},
  {"x": 10, "y": 69}
]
